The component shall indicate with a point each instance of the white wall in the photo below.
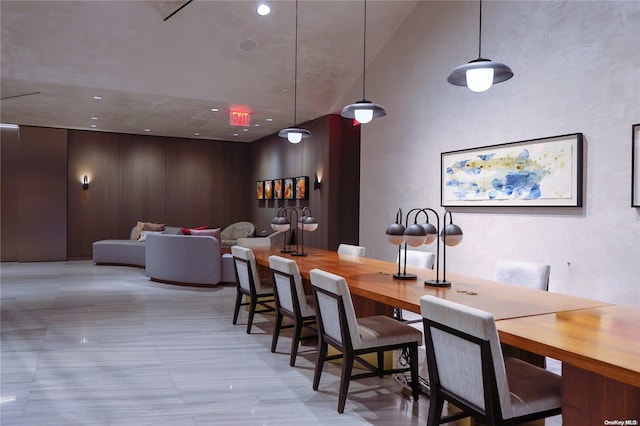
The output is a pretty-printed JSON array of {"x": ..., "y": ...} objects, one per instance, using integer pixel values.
[{"x": 577, "y": 69}]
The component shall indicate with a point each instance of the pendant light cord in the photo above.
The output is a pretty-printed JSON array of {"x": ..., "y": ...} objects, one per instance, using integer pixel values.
[
  {"x": 295, "y": 72},
  {"x": 364, "y": 49},
  {"x": 480, "y": 33}
]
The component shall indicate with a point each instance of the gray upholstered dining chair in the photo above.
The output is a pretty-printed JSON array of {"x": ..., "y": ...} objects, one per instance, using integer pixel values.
[
  {"x": 258, "y": 291},
  {"x": 467, "y": 368},
  {"x": 418, "y": 259},
  {"x": 352, "y": 250},
  {"x": 526, "y": 274},
  {"x": 338, "y": 327},
  {"x": 291, "y": 302}
]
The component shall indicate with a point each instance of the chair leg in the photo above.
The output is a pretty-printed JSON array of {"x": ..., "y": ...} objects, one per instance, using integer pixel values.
[
  {"x": 436, "y": 403},
  {"x": 295, "y": 342},
  {"x": 237, "y": 309},
  {"x": 252, "y": 311},
  {"x": 276, "y": 332},
  {"x": 380, "y": 364},
  {"x": 413, "y": 360},
  {"x": 347, "y": 367},
  {"x": 322, "y": 353}
]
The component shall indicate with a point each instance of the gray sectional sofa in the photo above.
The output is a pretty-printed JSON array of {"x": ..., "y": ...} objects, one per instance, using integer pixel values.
[{"x": 170, "y": 257}]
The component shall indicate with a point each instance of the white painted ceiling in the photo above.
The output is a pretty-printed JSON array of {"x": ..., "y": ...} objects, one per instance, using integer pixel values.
[{"x": 166, "y": 76}]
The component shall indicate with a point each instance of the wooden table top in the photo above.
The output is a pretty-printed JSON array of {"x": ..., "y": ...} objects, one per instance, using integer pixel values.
[
  {"x": 603, "y": 340},
  {"x": 373, "y": 279}
]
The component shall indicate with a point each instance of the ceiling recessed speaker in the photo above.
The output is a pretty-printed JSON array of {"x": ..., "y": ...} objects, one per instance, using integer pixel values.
[{"x": 248, "y": 45}]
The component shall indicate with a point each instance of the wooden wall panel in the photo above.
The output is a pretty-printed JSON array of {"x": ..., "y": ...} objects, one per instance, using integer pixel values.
[
  {"x": 42, "y": 198},
  {"x": 231, "y": 176},
  {"x": 10, "y": 171},
  {"x": 141, "y": 186},
  {"x": 190, "y": 186},
  {"x": 92, "y": 214}
]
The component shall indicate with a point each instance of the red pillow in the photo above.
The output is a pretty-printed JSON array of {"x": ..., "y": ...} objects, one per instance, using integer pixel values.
[{"x": 187, "y": 231}]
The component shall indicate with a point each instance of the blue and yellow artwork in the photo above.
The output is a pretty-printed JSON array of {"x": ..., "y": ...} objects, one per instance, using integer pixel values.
[{"x": 508, "y": 174}]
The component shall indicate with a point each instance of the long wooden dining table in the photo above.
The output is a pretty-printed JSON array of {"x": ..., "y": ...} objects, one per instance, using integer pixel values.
[{"x": 597, "y": 342}]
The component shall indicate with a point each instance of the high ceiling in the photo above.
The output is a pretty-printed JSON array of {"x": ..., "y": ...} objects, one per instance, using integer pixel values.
[{"x": 166, "y": 76}]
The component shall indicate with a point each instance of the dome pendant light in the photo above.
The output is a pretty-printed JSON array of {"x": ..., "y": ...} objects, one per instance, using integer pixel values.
[
  {"x": 295, "y": 134},
  {"x": 480, "y": 74},
  {"x": 363, "y": 111}
]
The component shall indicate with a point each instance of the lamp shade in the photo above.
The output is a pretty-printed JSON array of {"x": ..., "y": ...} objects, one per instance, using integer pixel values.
[
  {"x": 294, "y": 134},
  {"x": 453, "y": 235},
  {"x": 395, "y": 233},
  {"x": 480, "y": 74},
  {"x": 363, "y": 111},
  {"x": 280, "y": 223},
  {"x": 308, "y": 223},
  {"x": 431, "y": 232},
  {"x": 415, "y": 235}
]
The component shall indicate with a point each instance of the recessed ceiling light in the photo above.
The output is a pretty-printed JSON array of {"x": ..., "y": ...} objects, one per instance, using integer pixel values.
[
  {"x": 97, "y": 98},
  {"x": 94, "y": 118},
  {"x": 263, "y": 9},
  {"x": 235, "y": 134},
  {"x": 147, "y": 130},
  {"x": 93, "y": 125},
  {"x": 196, "y": 134},
  {"x": 269, "y": 119},
  {"x": 256, "y": 125},
  {"x": 215, "y": 109},
  {"x": 245, "y": 130}
]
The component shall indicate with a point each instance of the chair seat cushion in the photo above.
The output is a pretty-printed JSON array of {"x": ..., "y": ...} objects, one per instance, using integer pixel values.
[
  {"x": 381, "y": 330},
  {"x": 532, "y": 388}
]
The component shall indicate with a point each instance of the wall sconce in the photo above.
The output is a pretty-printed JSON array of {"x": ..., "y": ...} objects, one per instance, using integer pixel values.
[
  {"x": 416, "y": 234},
  {"x": 304, "y": 222},
  {"x": 316, "y": 182},
  {"x": 85, "y": 183}
]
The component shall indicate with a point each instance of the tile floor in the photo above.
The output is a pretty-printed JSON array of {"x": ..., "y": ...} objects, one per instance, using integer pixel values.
[{"x": 103, "y": 345}]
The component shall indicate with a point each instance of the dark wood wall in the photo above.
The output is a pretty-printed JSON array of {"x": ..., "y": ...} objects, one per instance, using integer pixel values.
[
  {"x": 34, "y": 194},
  {"x": 179, "y": 182}
]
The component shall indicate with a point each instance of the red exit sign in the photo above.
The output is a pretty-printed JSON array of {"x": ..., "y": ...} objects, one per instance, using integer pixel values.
[{"x": 239, "y": 118}]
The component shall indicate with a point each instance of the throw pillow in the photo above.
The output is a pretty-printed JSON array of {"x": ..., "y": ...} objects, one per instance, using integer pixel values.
[
  {"x": 143, "y": 234},
  {"x": 187, "y": 231},
  {"x": 136, "y": 232},
  {"x": 150, "y": 226}
]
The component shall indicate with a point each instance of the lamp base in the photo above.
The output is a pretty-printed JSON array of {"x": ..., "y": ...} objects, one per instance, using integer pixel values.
[
  {"x": 405, "y": 276},
  {"x": 437, "y": 283},
  {"x": 298, "y": 254}
]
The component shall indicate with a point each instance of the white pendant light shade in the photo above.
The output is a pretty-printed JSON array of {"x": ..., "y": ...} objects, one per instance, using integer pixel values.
[
  {"x": 363, "y": 111},
  {"x": 480, "y": 74},
  {"x": 294, "y": 134},
  {"x": 480, "y": 79}
]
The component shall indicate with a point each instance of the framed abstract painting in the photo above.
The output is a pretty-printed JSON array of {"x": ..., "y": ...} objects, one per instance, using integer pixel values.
[
  {"x": 268, "y": 189},
  {"x": 278, "y": 192},
  {"x": 302, "y": 184},
  {"x": 260, "y": 190},
  {"x": 635, "y": 165},
  {"x": 288, "y": 188},
  {"x": 537, "y": 172}
]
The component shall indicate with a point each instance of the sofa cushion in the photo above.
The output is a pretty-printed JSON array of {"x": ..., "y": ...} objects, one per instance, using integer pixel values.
[
  {"x": 150, "y": 226},
  {"x": 187, "y": 231},
  {"x": 135, "y": 232}
]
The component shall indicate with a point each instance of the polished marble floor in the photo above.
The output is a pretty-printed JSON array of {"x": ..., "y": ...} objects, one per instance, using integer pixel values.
[{"x": 103, "y": 345}]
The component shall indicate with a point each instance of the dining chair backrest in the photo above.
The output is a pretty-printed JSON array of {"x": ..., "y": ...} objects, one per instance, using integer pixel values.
[
  {"x": 461, "y": 342},
  {"x": 525, "y": 274},
  {"x": 352, "y": 250},
  {"x": 335, "y": 308},
  {"x": 288, "y": 283},
  {"x": 246, "y": 270},
  {"x": 418, "y": 259}
]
